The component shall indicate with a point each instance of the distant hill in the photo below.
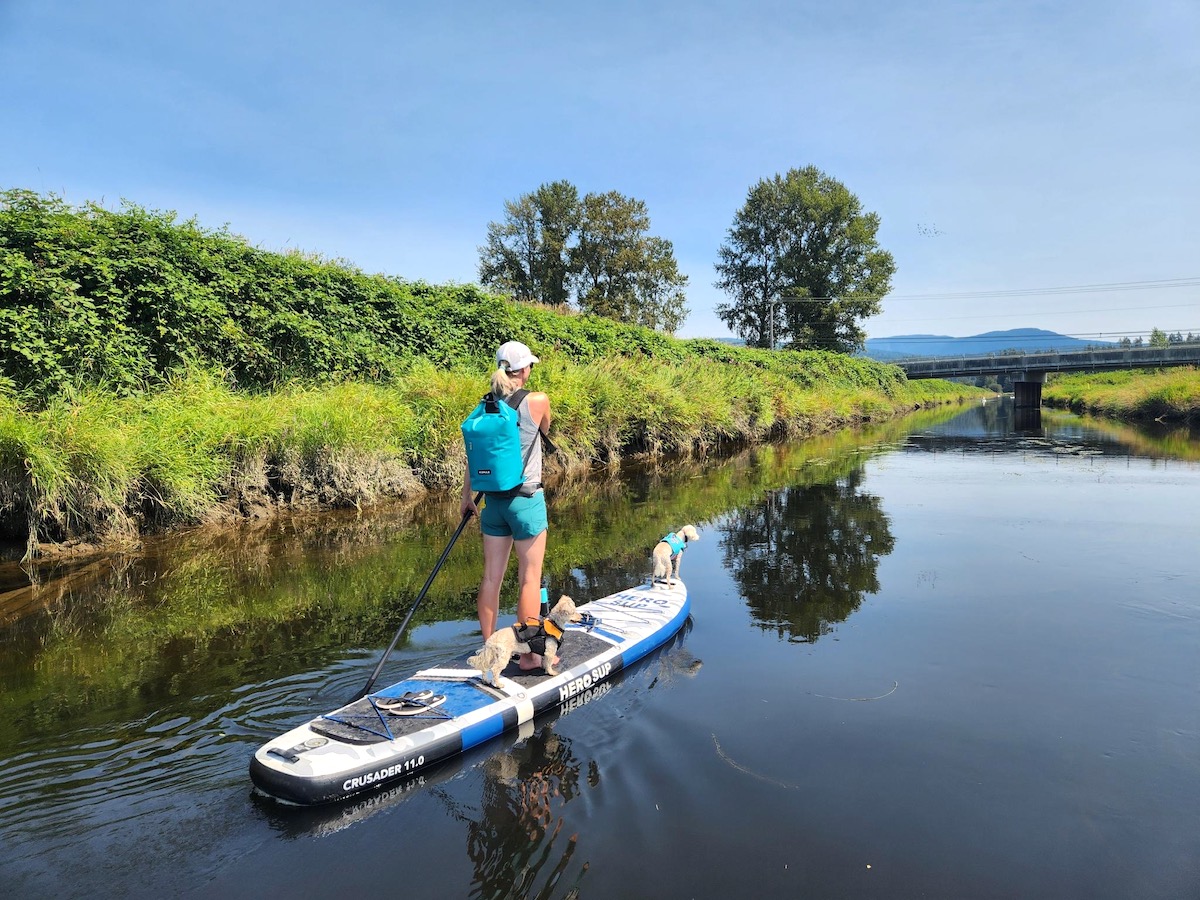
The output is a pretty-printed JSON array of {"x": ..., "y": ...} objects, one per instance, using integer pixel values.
[{"x": 889, "y": 349}]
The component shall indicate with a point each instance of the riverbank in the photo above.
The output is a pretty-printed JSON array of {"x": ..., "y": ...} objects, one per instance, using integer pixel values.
[
  {"x": 155, "y": 374},
  {"x": 1165, "y": 395},
  {"x": 95, "y": 470}
]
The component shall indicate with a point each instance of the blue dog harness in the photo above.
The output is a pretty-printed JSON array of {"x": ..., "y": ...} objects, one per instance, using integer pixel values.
[{"x": 676, "y": 543}]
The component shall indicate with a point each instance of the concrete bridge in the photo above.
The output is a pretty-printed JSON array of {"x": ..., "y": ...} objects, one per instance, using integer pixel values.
[{"x": 1029, "y": 369}]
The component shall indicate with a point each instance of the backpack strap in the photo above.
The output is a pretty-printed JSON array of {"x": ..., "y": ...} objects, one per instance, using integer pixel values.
[{"x": 514, "y": 400}]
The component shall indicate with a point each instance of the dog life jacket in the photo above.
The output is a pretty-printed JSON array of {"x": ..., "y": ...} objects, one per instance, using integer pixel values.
[
  {"x": 676, "y": 543},
  {"x": 492, "y": 435},
  {"x": 534, "y": 633}
]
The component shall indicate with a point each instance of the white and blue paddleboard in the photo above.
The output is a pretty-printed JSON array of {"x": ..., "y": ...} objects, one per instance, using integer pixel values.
[{"x": 373, "y": 742}]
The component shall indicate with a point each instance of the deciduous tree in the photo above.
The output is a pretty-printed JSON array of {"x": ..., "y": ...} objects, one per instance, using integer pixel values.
[
  {"x": 622, "y": 272},
  {"x": 553, "y": 246},
  {"x": 528, "y": 254},
  {"x": 802, "y": 264}
]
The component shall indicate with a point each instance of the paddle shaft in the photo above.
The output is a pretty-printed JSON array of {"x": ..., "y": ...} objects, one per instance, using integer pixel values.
[{"x": 421, "y": 596}]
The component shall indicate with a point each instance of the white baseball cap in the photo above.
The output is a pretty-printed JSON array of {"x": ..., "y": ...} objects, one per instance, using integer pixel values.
[{"x": 515, "y": 355}]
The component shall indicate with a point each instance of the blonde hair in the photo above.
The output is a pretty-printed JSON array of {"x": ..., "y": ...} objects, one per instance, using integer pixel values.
[{"x": 502, "y": 383}]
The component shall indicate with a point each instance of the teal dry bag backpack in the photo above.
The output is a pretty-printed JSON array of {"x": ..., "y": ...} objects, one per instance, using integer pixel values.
[{"x": 493, "y": 442}]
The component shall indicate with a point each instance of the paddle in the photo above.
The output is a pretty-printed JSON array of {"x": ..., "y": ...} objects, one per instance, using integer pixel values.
[{"x": 421, "y": 596}]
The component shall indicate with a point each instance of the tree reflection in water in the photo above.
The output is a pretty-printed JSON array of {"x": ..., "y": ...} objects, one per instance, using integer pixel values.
[
  {"x": 806, "y": 555},
  {"x": 513, "y": 838}
]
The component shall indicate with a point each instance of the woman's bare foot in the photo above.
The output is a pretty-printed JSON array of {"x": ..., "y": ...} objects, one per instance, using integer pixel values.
[{"x": 529, "y": 661}]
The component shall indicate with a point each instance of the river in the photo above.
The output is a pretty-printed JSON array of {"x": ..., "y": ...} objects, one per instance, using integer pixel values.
[{"x": 957, "y": 656}]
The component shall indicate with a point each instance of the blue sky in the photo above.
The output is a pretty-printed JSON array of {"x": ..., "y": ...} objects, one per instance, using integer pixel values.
[{"x": 1007, "y": 146}]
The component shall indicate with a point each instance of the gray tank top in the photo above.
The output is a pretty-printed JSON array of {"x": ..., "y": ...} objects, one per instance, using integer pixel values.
[{"x": 529, "y": 435}]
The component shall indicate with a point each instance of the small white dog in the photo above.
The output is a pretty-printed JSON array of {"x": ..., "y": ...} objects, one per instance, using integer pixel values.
[
  {"x": 541, "y": 636},
  {"x": 668, "y": 553}
]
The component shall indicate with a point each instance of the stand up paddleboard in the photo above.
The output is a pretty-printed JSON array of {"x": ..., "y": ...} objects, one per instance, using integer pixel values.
[{"x": 437, "y": 713}]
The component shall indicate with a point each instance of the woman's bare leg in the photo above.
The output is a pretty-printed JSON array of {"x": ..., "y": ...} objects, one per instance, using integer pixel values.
[
  {"x": 531, "y": 552},
  {"x": 495, "y": 561}
]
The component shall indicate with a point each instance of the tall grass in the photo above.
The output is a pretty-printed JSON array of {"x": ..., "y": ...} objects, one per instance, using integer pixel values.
[
  {"x": 99, "y": 466},
  {"x": 1129, "y": 394}
]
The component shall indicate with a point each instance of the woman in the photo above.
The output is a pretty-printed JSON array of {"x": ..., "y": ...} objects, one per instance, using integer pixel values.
[{"x": 520, "y": 522}]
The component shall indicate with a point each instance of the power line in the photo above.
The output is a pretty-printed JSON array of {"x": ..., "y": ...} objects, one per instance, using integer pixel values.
[
  {"x": 1051, "y": 312},
  {"x": 1108, "y": 287}
]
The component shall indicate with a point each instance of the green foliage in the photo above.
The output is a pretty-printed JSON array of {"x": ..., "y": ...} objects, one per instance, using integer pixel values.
[
  {"x": 122, "y": 299},
  {"x": 93, "y": 296},
  {"x": 802, "y": 264},
  {"x": 528, "y": 254},
  {"x": 621, "y": 272},
  {"x": 552, "y": 244},
  {"x": 157, "y": 374}
]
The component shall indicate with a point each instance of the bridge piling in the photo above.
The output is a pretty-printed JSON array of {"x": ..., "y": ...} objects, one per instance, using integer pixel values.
[{"x": 1027, "y": 390}]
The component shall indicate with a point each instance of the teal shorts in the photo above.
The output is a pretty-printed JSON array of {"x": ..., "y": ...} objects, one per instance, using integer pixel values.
[{"x": 519, "y": 517}]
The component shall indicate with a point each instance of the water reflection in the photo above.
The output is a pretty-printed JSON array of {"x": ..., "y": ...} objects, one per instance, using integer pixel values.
[
  {"x": 805, "y": 557},
  {"x": 196, "y": 615},
  {"x": 1027, "y": 420},
  {"x": 135, "y": 688},
  {"x": 999, "y": 427},
  {"x": 516, "y": 835}
]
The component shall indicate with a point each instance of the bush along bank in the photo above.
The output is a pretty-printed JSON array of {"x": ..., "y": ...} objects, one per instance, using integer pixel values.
[
  {"x": 156, "y": 374},
  {"x": 1136, "y": 395},
  {"x": 123, "y": 298}
]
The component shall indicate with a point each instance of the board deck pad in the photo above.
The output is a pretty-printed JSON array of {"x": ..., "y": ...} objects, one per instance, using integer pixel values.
[
  {"x": 362, "y": 722},
  {"x": 361, "y": 746}
]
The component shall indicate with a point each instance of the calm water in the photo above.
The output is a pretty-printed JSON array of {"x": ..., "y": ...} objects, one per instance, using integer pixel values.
[{"x": 949, "y": 658}]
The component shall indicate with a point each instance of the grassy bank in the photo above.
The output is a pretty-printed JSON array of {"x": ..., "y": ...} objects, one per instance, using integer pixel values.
[
  {"x": 155, "y": 373},
  {"x": 1165, "y": 394},
  {"x": 99, "y": 467}
]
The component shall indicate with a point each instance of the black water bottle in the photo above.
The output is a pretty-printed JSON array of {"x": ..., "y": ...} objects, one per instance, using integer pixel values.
[{"x": 545, "y": 599}]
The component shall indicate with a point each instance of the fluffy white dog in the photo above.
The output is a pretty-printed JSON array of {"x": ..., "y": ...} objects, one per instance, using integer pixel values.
[
  {"x": 541, "y": 636},
  {"x": 668, "y": 553}
]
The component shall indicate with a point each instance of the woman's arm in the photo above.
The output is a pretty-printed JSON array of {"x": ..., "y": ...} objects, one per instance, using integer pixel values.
[
  {"x": 466, "y": 505},
  {"x": 539, "y": 409}
]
